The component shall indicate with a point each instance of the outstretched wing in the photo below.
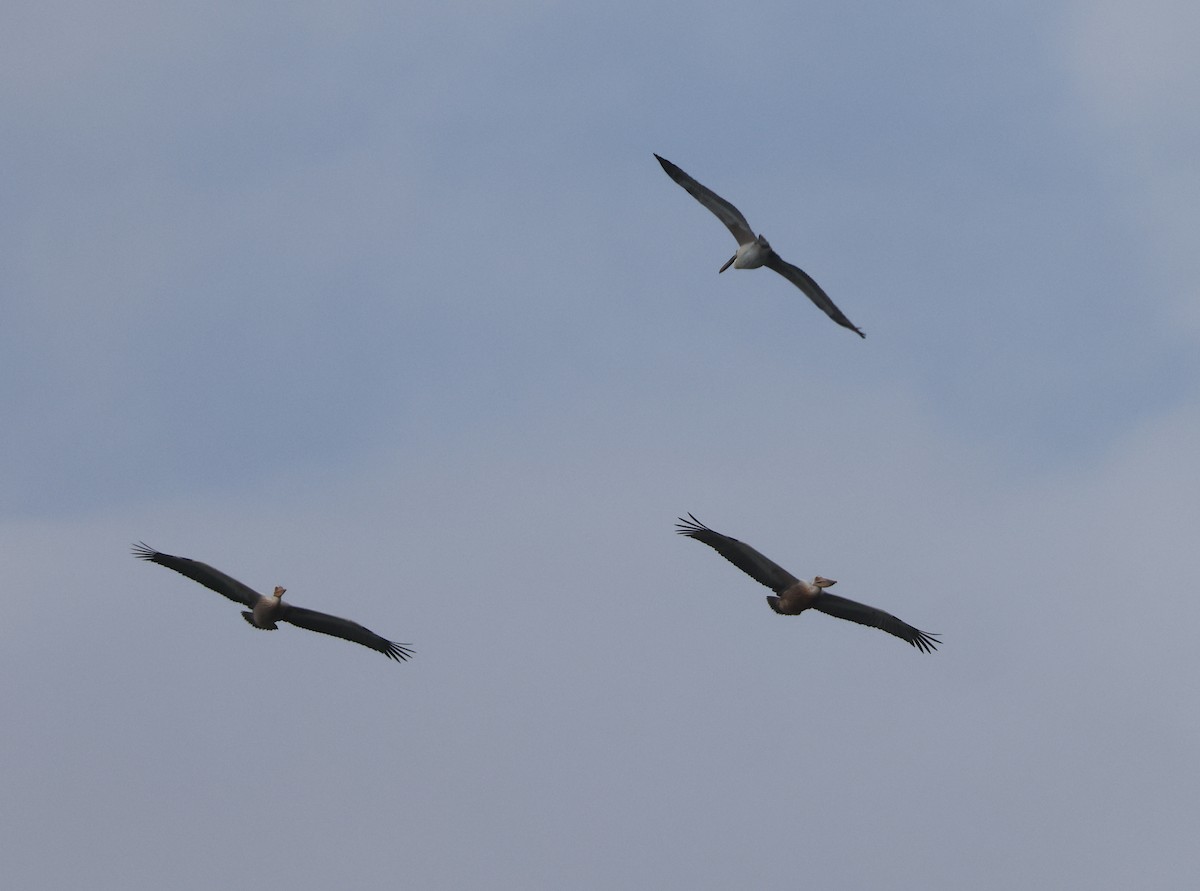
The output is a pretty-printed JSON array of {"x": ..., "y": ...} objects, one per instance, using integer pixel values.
[
  {"x": 323, "y": 623},
  {"x": 805, "y": 283},
  {"x": 741, "y": 555},
  {"x": 200, "y": 572},
  {"x": 725, "y": 212},
  {"x": 832, "y": 605}
]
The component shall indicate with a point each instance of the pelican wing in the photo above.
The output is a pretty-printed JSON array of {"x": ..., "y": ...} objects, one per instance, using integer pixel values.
[
  {"x": 725, "y": 212},
  {"x": 805, "y": 283},
  {"x": 200, "y": 572},
  {"x": 832, "y": 605},
  {"x": 323, "y": 623},
  {"x": 741, "y": 555}
]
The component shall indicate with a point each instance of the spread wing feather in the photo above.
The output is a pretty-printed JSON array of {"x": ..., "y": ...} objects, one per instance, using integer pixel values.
[
  {"x": 323, "y": 623},
  {"x": 741, "y": 555},
  {"x": 815, "y": 293},
  {"x": 840, "y": 607},
  {"x": 213, "y": 579},
  {"x": 722, "y": 209}
]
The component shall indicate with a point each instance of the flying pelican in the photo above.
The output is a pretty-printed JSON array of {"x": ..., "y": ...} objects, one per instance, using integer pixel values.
[
  {"x": 266, "y": 611},
  {"x": 796, "y": 595},
  {"x": 754, "y": 251}
]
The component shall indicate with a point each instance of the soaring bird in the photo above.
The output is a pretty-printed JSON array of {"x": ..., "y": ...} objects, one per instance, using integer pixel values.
[
  {"x": 264, "y": 612},
  {"x": 754, "y": 251},
  {"x": 793, "y": 596}
]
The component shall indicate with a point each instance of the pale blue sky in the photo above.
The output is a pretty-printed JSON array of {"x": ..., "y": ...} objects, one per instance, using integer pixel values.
[{"x": 391, "y": 304}]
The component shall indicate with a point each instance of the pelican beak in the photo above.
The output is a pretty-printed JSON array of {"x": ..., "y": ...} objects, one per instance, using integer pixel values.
[
  {"x": 727, "y": 265},
  {"x": 822, "y": 582}
]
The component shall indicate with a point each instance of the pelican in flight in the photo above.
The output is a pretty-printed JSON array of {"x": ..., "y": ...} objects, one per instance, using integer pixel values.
[
  {"x": 754, "y": 251},
  {"x": 793, "y": 596},
  {"x": 264, "y": 612}
]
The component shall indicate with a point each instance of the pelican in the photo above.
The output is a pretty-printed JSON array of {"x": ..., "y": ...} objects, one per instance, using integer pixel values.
[
  {"x": 754, "y": 251},
  {"x": 266, "y": 611},
  {"x": 793, "y": 595}
]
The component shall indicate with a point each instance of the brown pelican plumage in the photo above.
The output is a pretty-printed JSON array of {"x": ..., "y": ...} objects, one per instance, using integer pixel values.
[
  {"x": 753, "y": 250},
  {"x": 264, "y": 612},
  {"x": 793, "y": 596}
]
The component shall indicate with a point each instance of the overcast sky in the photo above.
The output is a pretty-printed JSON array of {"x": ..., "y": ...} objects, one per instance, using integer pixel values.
[{"x": 390, "y": 304}]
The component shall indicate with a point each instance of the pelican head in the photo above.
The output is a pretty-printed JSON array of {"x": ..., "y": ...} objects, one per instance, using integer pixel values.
[
  {"x": 822, "y": 582},
  {"x": 279, "y": 592}
]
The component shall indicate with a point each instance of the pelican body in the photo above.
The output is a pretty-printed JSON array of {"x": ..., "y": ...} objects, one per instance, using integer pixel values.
[
  {"x": 267, "y": 611},
  {"x": 754, "y": 250},
  {"x": 799, "y": 596},
  {"x": 750, "y": 255},
  {"x": 793, "y": 596}
]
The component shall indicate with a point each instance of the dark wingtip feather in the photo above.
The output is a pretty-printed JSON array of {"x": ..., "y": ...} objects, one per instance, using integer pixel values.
[
  {"x": 925, "y": 642},
  {"x": 690, "y": 527},
  {"x": 399, "y": 652},
  {"x": 143, "y": 551},
  {"x": 671, "y": 170}
]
